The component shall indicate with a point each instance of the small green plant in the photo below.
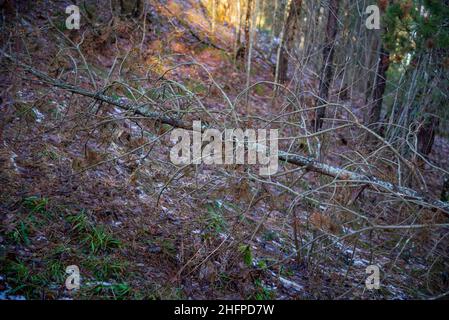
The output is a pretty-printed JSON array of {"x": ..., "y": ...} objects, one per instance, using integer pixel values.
[
  {"x": 270, "y": 235},
  {"x": 98, "y": 239},
  {"x": 259, "y": 89},
  {"x": 287, "y": 272},
  {"x": 20, "y": 234},
  {"x": 224, "y": 278},
  {"x": 262, "y": 292},
  {"x": 247, "y": 255},
  {"x": 95, "y": 238},
  {"x": 56, "y": 271},
  {"x": 262, "y": 264},
  {"x": 49, "y": 154},
  {"x": 25, "y": 111},
  {"x": 80, "y": 222},
  {"x": 61, "y": 249},
  {"x": 119, "y": 291},
  {"x": 19, "y": 278},
  {"x": 168, "y": 247},
  {"x": 60, "y": 24},
  {"x": 26, "y": 279},
  {"x": 19, "y": 270},
  {"x": 36, "y": 204},
  {"x": 216, "y": 223},
  {"x": 105, "y": 268}
]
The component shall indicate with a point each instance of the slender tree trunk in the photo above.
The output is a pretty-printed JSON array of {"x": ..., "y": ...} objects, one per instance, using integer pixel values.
[
  {"x": 249, "y": 8},
  {"x": 327, "y": 71},
  {"x": 292, "y": 24},
  {"x": 250, "y": 50},
  {"x": 445, "y": 189},
  {"x": 426, "y": 135},
  {"x": 214, "y": 14},
  {"x": 9, "y": 7},
  {"x": 380, "y": 81},
  {"x": 273, "y": 24},
  {"x": 379, "y": 87},
  {"x": 370, "y": 59},
  {"x": 238, "y": 30},
  {"x": 427, "y": 131},
  {"x": 262, "y": 13}
]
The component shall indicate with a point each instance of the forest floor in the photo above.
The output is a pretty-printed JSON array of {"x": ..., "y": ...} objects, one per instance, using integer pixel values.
[{"x": 87, "y": 184}]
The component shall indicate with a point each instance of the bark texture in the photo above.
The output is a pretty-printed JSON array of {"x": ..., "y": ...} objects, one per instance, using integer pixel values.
[
  {"x": 291, "y": 26},
  {"x": 327, "y": 71}
]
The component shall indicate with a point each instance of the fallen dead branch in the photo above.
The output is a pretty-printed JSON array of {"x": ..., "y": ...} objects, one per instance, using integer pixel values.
[
  {"x": 306, "y": 162},
  {"x": 373, "y": 182}
]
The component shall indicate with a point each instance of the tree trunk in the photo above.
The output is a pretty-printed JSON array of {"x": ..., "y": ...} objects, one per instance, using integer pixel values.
[
  {"x": 214, "y": 14},
  {"x": 249, "y": 8},
  {"x": 427, "y": 131},
  {"x": 445, "y": 189},
  {"x": 8, "y": 6},
  {"x": 380, "y": 82},
  {"x": 292, "y": 25},
  {"x": 371, "y": 58},
  {"x": 249, "y": 46},
  {"x": 327, "y": 71},
  {"x": 238, "y": 30},
  {"x": 426, "y": 135},
  {"x": 379, "y": 87}
]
